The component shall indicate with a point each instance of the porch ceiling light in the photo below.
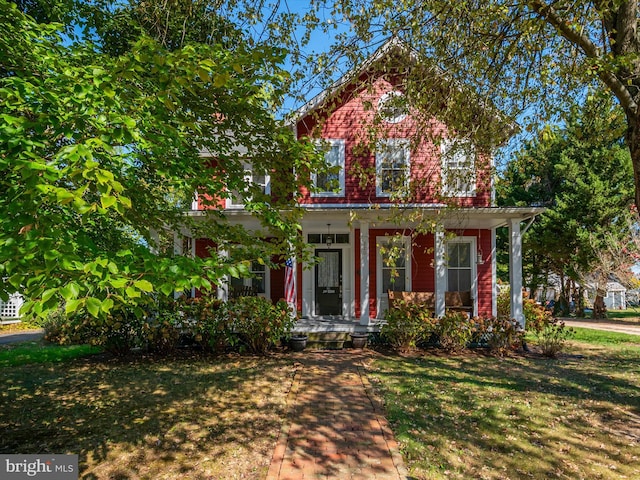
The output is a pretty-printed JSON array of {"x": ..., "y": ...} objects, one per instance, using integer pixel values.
[{"x": 329, "y": 240}]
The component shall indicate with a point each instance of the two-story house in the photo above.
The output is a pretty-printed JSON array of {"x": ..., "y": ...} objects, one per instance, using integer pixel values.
[{"x": 406, "y": 206}]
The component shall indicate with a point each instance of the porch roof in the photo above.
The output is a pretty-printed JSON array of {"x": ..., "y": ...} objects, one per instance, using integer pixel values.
[{"x": 387, "y": 215}]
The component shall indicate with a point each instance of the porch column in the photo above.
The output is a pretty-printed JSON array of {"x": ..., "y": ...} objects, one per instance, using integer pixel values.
[
  {"x": 364, "y": 273},
  {"x": 441, "y": 271},
  {"x": 177, "y": 251},
  {"x": 515, "y": 271},
  {"x": 223, "y": 286}
]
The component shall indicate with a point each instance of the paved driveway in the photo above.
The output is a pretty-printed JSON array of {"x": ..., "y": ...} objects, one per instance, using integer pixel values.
[
  {"x": 24, "y": 336},
  {"x": 610, "y": 326}
]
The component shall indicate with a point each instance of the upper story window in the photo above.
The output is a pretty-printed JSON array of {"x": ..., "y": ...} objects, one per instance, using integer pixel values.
[
  {"x": 330, "y": 183},
  {"x": 392, "y": 107},
  {"x": 458, "y": 168},
  {"x": 392, "y": 166},
  {"x": 253, "y": 180}
]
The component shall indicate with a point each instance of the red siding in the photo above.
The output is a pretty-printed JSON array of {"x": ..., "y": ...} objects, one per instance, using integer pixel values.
[{"x": 352, "y": 119}]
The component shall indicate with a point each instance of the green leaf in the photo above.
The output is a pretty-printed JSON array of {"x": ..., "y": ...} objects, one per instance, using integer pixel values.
[
  {"x": 93, "y": 306},
  {"x": 49, "y": 293},
  {"x": 70, "y": 291},
  {"x": 118, "y": 282},
  {"x": 132, "y": 292},
  {"x": 73, "y": 305},
  {"x": 107, "y": 201},
  {"x": 107, "y": 305},
  {"x": 144, "y": 285}
]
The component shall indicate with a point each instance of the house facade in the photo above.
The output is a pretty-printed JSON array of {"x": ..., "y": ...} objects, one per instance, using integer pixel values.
[{"x": 404, "y": 207}]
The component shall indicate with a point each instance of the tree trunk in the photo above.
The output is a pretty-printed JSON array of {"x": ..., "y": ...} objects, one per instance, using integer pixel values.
[
  {"x": 633, "y": 142},
  {"x": 599, "y": 308}
]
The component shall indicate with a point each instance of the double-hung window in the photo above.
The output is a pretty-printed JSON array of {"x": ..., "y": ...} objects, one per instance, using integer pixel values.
[
  {"x": 458, "y": 168},
  {"x": 252, "y": 180},
  {"x": 392, "y": 167},
  {"x": 331, "y": 182},
  {"x": 257, "y": 281},
  {"x": 459, "y": 266}
]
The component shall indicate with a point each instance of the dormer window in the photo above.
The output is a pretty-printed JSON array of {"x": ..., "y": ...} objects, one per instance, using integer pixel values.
[
  {"x": 330, "y": 183},
  {"x": 392, "y": 166},
  {"x": 458, "y": 168}
]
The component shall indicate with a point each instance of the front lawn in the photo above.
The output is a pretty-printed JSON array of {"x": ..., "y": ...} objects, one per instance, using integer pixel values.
[
  {"x": 473, "y": 416},
  {"x": 191, "y": 417}
]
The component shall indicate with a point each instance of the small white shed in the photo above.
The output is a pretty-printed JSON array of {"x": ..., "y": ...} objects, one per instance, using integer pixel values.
[{"x": 616, "y": 298}]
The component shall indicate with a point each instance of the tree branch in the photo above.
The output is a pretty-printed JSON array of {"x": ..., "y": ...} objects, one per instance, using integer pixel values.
[{"x": 590, "y": 49}]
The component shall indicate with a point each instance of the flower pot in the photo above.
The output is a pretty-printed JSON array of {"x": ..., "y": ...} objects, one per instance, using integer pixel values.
[
  {"x": 359, "y": 340},
  {"x": 298, "y": 343}
]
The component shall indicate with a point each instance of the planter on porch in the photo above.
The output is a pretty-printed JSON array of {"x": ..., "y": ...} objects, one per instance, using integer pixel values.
[
  {"x": 359, "y": 340},
  {"x": 298, "y": 343}
]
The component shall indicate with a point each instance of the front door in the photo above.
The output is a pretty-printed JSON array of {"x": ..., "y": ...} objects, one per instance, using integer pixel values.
[{"x": 329, "y": 282}]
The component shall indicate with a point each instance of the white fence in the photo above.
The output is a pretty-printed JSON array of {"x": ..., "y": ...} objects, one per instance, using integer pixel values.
[{"x": 10, "y": 310}]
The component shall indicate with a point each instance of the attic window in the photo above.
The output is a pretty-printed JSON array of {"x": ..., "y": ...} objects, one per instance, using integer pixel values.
[{"x": 392, "y": 107}]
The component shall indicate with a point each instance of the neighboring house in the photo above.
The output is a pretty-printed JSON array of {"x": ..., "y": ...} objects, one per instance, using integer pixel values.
[{"x": 375, "y": 195}]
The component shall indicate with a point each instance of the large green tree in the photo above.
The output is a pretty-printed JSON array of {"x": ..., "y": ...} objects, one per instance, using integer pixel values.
[
  {"x": 98, "y": 150},
  {"x": 530, "y": 59},
  {"x": 581, "y": 173}
]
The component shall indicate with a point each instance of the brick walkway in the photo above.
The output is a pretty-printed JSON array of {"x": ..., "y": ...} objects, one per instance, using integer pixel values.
[{"x": 334, "y": 428}]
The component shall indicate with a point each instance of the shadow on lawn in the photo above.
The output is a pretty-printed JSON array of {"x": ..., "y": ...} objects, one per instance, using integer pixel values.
[
  {"x": 516, "y": 417},
  {"x": 171, "y": 418}
]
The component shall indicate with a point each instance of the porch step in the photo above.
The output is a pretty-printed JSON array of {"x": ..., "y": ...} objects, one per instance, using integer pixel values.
[{"x": 328, "y": 340}]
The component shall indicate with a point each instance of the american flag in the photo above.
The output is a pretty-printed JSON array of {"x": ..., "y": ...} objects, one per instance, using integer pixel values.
[{"x": 289, "y": 282}]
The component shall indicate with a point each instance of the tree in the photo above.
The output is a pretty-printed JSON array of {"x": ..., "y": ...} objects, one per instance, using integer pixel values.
[
  {"x": 582, "y": 174},
  {"x": 97, "y": 150},
  {"x": 526, "y": 58}
]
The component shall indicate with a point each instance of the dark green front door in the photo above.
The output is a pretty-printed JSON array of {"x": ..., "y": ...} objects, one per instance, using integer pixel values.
[{"x": 329, "y": 282}]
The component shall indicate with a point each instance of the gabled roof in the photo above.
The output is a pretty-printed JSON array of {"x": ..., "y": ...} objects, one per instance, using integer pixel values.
[{"x": 384, "y": 51}]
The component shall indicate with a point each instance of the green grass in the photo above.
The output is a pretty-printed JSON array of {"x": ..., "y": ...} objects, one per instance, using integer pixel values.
[
  {"x": 13, "y": 355},
  {"x": 629, "y": 314},
  {"x": 474, "y": 416},
  {"x": 602, "y": 337}
]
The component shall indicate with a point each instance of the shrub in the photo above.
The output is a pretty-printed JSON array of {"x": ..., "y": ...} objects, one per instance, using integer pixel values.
[
  {"x": 501, "y": 334},
  {"x": 552, "y": 336},
  {"x": 118, "y": 333},
  {"x": 206, "y": 320},
  {"x": 407, "y": 324},
  {"x": 455, "y": 330},
  {"x": 258, "y": 323}
]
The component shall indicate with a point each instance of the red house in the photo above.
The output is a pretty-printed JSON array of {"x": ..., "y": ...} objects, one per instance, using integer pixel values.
[{"x": 406, "y": 207}]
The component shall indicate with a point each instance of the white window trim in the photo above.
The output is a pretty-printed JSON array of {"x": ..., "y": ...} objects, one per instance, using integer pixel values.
[
  {"x": 473, "y": 258},
  {"x": 402, "y": 142},
  {"x": 248, "y": 178},
  {"x": 341, "y": 177},
  {"x": 382, "y": 302},
  {"x": 447, "y": 170}
]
